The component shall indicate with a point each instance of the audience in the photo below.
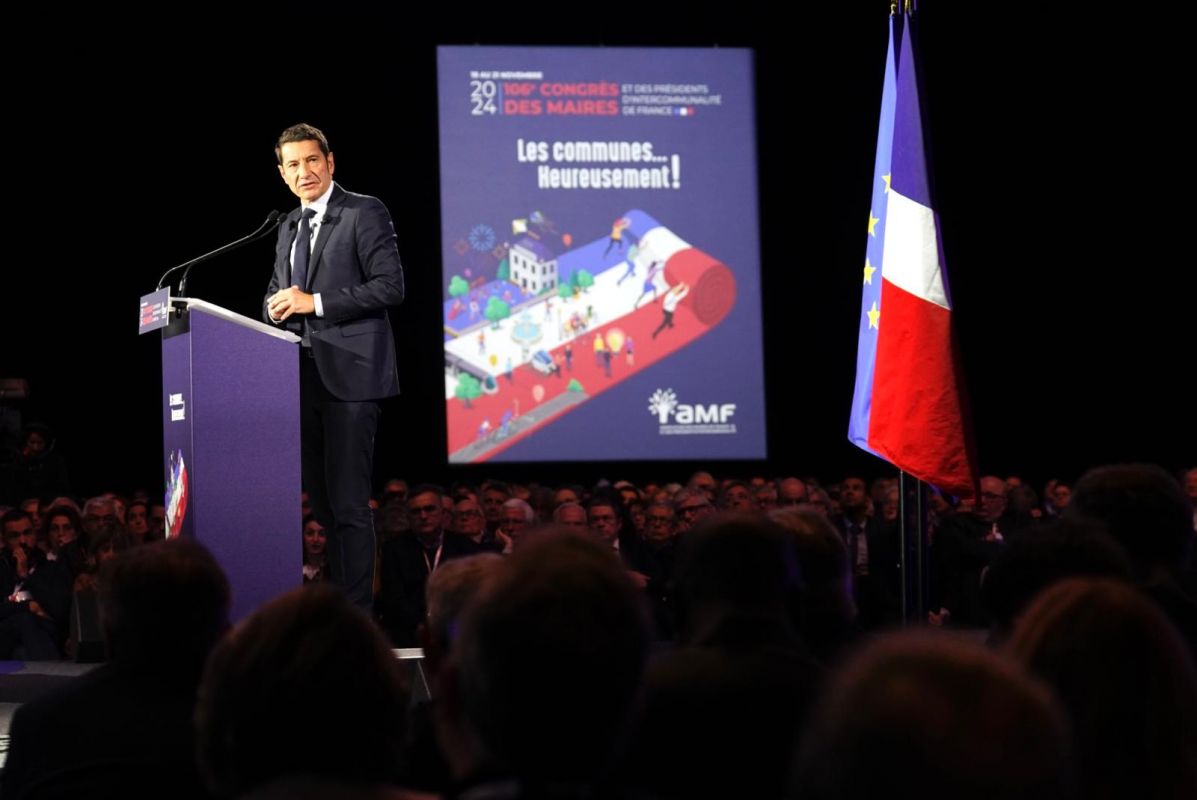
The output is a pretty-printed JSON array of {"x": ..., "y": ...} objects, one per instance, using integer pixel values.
[{"x": 536, "y": 636}]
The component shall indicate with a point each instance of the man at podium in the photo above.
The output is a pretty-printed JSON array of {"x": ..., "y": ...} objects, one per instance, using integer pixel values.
[{"x": 336, "y": 271}]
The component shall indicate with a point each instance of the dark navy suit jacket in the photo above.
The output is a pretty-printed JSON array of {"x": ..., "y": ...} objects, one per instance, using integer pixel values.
[{"x": 356, "y": 271}]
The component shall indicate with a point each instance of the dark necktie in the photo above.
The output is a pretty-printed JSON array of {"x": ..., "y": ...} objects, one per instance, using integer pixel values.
[{"x": 303, "y": 251}]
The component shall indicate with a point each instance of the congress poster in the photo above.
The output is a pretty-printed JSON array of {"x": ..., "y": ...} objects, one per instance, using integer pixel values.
[{"x": 601, "y": 267}]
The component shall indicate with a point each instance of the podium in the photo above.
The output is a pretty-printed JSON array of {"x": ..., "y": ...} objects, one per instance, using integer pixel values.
[{"x": 230, "y": 422}]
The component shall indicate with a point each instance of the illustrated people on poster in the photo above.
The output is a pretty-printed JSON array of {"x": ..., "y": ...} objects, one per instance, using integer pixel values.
[
  {"x": 633, "y": 254},
  {"x": 672, "y": 298},
  {"x": 617, "y": 232},
  {"x": 649, "y": 284}
]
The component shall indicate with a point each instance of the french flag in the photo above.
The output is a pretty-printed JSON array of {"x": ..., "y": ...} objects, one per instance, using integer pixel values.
[{"x": 908, "y": 407}]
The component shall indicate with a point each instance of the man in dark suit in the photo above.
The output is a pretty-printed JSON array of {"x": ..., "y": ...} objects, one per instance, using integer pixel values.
[
  {"x": 873, "y": 556},
  {"x": 336, "y": 271},
  {"x": 409, "y": 558}
]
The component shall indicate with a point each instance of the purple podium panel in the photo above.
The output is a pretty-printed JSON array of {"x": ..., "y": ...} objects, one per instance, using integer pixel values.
[{"x": 231, "y": 434}]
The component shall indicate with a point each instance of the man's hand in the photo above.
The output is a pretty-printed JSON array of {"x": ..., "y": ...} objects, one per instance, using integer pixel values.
[
  {"x": 506, "y": 541},
  {"x": 292, "y": 300},
  {"x": 20, "y": 561}
]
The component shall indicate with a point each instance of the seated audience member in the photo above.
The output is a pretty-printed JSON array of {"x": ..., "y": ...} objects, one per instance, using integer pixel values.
[
  {"x": 791, "y": 492},
  {"x": 735, "y": 496},
  {"x": 703, "y": 482},
  {"x": 61, "y": 527},
  {"x": 1058, "y": 549},
  {"x": 570, "y": 515},
  {"x": 873, "y": 556},
  {"x": 935, "y": 717},
  {"x": 99, "y": 510},
  {"x": 157, "y": 532},
  {"x": 494, "y": 495},
  {"x": 315, "y": 541},
  {"x": 450, "y": 591},
  {"x": 965, "y": 545},
  {"x": 818, "y": 500},
  {"x": 692, "y": 507},
  {"x": 125, "y": 729},
  {"x": 137, "y": 520},
  {"x": 1148, "y": 514},
  {"x": 546, "y": 671},
  {"x": 826, "y": 614},
  {"x": 108, "y": 542},
  {"x": 568, "y": 494},
  {"x": 660, "y": 535},
  {"x": 1126, "y": 679},
  {"x": 35, "y": 592},
  {"x": 409, "y": 558},
  {"x": 764, "y": 497},
  {"x": 724, "y": 710},
  {"x": 304, "y": 699},
  {"x": 609, "y": 523},
  {"x": 33, "y": 508},
  {"x": 516, "y": 516},
  {"x": 469, "y": 522}
]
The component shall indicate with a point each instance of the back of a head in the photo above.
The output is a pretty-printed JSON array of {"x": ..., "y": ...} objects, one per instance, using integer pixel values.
[
  {"x": 1029, "y": 564},
  {"x": 305, "y": 686},
  {"x": 734, "y": 563},
  {"x": 451, "y": 588},
  {"x": 915, "y": 715},
  {"x": 551, "y": 658},
  {"x": 822, "y": 555},
  {"x": 1143, "y": 507},
  {"x": 166, "y": 601},
  {"x": 1126, "y": 678},
  {"x": 824, "y": 609}
]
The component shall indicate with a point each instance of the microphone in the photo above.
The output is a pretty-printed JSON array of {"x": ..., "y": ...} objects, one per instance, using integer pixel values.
[{"x": 266, "y": 228}]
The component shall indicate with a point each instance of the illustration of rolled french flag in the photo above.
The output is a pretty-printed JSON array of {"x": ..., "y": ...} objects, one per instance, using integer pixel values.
[{"x": 909, "y": 405}]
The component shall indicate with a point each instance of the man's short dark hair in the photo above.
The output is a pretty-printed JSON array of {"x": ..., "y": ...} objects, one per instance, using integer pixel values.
[
  {"x": 551, "y": 658},
  {"x": 13, "y": 516},
  {"x": 1142, "y": 507},
  {"x": 425, "y": 488},
  {"x": 495, "y": 486},
  {"x": 306, "y": 686},
  {"x": 934, "y": 717},
  {"x": 302, "y": 132},
  {"x": 167, "y": 601}
]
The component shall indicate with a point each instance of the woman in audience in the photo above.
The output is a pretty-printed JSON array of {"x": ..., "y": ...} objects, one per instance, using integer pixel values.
[{"x": 315, "y": 541}]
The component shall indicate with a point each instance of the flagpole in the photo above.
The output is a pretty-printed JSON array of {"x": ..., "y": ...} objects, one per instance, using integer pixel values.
[{"x": 912, "y": 532}]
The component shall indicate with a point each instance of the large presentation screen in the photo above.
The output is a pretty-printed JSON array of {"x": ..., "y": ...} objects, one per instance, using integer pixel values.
[{"x": 601, "y": 267}]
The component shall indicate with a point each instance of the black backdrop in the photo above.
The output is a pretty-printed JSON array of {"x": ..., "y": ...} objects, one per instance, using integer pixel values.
[{"x": 1061, "y": 170}]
